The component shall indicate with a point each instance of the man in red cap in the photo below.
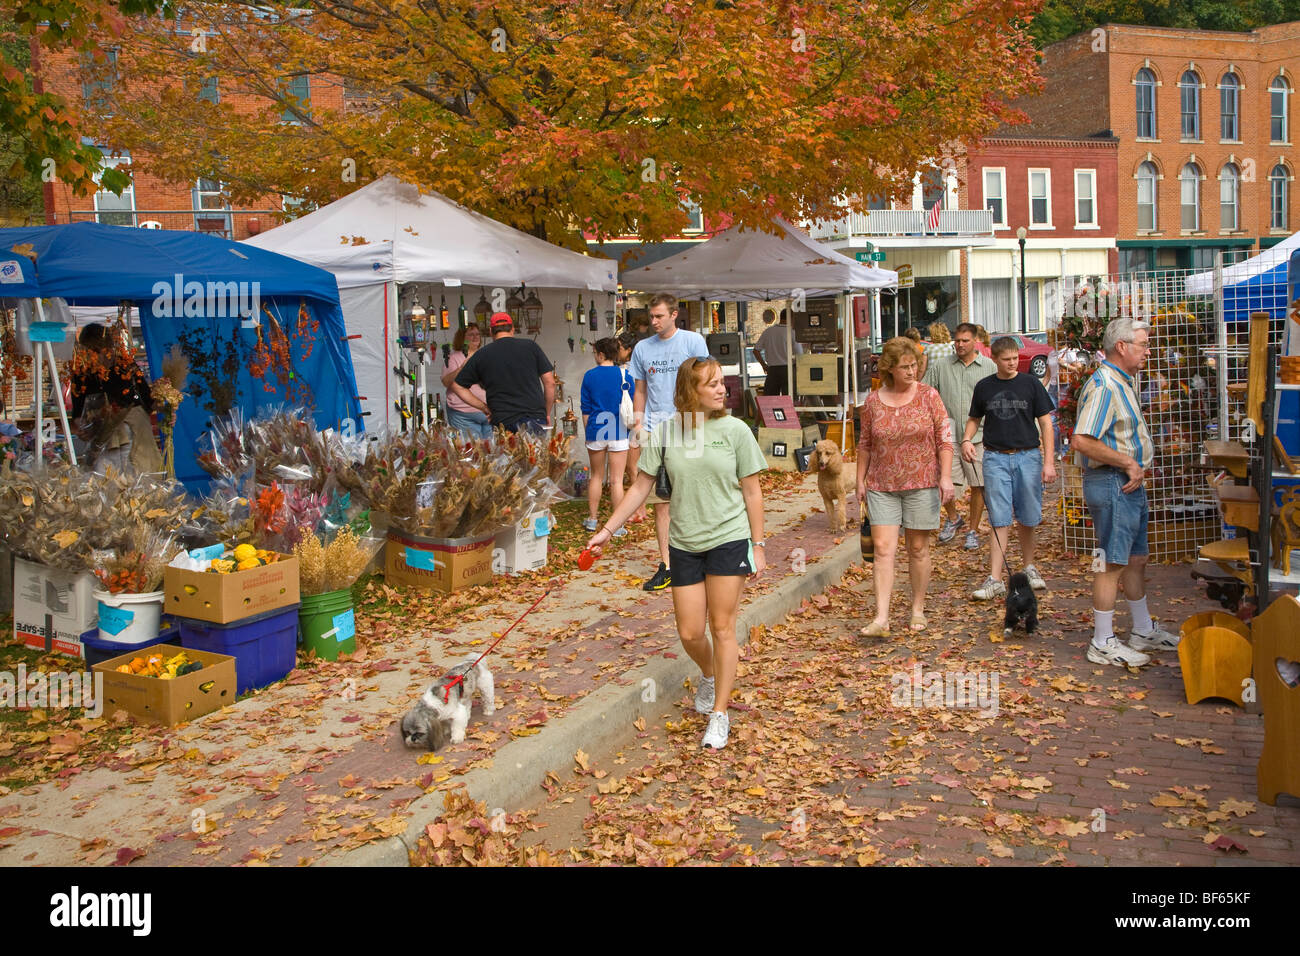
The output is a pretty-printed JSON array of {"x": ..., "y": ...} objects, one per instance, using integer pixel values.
[{"x": 516, "y": 375}]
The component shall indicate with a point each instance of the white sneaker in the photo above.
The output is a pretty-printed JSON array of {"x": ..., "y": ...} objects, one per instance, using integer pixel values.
[
  {"x": 989, "y": 590},
  {"x": 1035, "y": 579},
  {"x": 715, "y": 738},
  {"x": 1157, "y": 640},
  {"x": 704, "y": 696},
  {"x": 1113, "y": 652},
  {"x": 972, "y": 542}
]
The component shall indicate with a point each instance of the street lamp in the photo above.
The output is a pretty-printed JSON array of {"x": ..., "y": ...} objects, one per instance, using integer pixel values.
[{"x": 1021, "y": 233}]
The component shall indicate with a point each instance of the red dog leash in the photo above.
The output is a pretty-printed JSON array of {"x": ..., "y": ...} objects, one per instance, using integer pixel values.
[{"x": 460, "y": 678}]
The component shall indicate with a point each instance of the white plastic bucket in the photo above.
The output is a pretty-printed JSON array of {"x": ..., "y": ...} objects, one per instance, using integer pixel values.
[{"x": 129, "y": 618}]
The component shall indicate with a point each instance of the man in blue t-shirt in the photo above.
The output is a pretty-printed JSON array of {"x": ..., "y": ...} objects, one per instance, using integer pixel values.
[{"x": 654, "y": 366}]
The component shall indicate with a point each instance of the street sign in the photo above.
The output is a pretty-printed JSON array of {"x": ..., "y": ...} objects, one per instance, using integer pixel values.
[
  {"x": 869, "y": 256},
  {"x": 905, "y": 280}
]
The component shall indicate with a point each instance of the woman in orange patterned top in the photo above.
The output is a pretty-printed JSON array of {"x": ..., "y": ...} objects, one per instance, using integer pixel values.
[{"x": 904, "y": 474}]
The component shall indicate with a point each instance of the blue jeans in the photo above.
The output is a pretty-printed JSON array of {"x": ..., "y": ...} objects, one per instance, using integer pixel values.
[
  {"x": 1013, "y": 485},
  {"x": 535, "y": 425},
  {"x": 1119, "y": 519},
  {"x": 469, "y": 424}
]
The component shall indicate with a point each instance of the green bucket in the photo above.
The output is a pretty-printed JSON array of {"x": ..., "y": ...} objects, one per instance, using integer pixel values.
[{"x": 328, "y": 625}]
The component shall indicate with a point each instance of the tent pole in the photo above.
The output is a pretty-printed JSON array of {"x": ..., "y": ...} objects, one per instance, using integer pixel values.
[{"x": 848, "y": 371}]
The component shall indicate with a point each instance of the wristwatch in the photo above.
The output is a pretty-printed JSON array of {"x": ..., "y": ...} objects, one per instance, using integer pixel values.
[{"x": 758, "y": 544}]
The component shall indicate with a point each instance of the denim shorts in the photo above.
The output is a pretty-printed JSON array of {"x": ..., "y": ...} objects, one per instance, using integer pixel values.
[
  {"x": 1013, "y": 485},
  {"x": 1119, "y": 520}
]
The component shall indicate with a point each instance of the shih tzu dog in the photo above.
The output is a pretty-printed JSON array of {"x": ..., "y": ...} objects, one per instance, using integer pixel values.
[
  {"x": 1022, "y": 605},
  {"x": 441, "y": 714}
]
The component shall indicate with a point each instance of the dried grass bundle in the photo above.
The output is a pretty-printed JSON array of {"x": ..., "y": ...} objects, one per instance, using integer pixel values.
[{"x": 330, "y": 567}]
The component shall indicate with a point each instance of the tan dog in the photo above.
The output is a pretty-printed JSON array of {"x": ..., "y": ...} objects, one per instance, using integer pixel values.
[{"x": 834, "y": 481}]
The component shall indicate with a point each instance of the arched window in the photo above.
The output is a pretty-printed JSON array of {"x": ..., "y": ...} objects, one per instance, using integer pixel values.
[
  {"x": 1189, "y": 98},
  {"x": 1189, "y": 181},
  {"x": 1278, "y": 91},
  {"x": 1146, "y": 178},
  {"x": 1278, "y": 181},
  {"x": 1229, "y": 196},
  {"x": 1146, "y": 104},
  {"x": 1229, "y": 107}
]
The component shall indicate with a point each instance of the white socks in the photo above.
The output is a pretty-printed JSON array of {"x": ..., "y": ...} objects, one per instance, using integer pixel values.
[
  {"x": 1102, "y": 626},
  {"x": 1142, "y": 623}
]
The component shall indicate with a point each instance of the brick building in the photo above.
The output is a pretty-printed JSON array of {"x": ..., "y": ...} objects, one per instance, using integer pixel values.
[
  {"x": 1062, "y": 191},
  {"x": 150, "y": 201},
  {"x": 1204, "y": 124}
]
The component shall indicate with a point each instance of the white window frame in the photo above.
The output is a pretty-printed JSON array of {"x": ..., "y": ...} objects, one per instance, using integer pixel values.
[
  {"x": 1001, "y": 172},
  {"x": 1285, "y": 181},
  {"x": 1138, "y": 83},
  {"x": 1235, "y": 179},
  {"x": 1155, "y": 197},
  {"x": 1236, "y": 111},
  {"x": 1047, "y": 185},
  {"x": 1199, "y": 178},
  {"x": 1195, "y": 135},
  {"x": 693, "y": 211},
  {"x": 1285, "y": 90},
  {"x": 115, "y": 161},
  {"x": 1091, "y": 176}
]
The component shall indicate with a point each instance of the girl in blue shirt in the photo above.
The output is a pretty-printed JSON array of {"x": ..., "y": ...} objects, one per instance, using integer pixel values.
[{"x": 602, "y": 391}]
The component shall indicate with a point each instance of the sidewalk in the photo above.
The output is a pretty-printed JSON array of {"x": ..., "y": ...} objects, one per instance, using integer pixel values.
[{"x": 312, "y": 770}]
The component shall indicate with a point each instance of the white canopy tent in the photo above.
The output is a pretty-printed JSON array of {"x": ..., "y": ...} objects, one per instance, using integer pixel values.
[
  {"x": 1202, "y": 283},
  {"x": 751, "y": 265},
  {"x": 389, "y": 233}
]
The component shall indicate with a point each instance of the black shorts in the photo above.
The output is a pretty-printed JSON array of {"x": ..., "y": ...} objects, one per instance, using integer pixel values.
[{"x": 690, "y": 567}]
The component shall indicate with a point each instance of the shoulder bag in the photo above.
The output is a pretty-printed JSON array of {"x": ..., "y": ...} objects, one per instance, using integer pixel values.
[{"x": 663, "y": 484}]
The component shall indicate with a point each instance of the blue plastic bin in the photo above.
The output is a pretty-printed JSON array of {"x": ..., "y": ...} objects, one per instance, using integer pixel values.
[
  {"x": 98, "y": 651},
  {"x": 264, "y": 646}
]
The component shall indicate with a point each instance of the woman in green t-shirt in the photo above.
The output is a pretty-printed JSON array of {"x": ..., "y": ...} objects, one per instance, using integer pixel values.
[{"x": 715, "y": 535}]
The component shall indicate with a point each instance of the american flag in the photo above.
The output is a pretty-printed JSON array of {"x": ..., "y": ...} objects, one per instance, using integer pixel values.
[{"x": 932, "y": 222}]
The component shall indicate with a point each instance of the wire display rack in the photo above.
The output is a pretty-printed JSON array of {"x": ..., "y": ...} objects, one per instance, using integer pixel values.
[{"x": 1191, "y": 389}]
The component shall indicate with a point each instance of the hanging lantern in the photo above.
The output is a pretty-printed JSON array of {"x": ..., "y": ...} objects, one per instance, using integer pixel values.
[
  {"x": 413, "y": 320},
  {"x": 570, "y": 421},
  {"x": 482, "y": 309},
  {"x": 515, "y": 306},
  {"x": 533, "y": 314}
]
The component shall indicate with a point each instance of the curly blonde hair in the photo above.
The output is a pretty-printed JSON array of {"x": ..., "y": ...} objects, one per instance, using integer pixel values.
[
  {"x": 893, "y": 352},
  {"x": 939, "y": 333}
]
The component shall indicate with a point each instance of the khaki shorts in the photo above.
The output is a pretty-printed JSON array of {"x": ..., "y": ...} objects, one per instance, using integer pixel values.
[
  {"x": 915, "y": 510},
  {"x": 968, "y": 473}
]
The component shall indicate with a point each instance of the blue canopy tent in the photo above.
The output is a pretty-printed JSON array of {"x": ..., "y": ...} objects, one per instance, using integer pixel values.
[{"x": 193, "y": 288}]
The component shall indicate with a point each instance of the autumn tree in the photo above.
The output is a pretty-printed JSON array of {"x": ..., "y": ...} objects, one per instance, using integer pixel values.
[
  {"x": 600, "y": 115},
  {"x": 40, "y": 132}
]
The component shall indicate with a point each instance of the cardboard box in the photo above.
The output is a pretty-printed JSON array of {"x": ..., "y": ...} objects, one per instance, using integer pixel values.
[
  {"x": 222, "y": 598},
  {"x": 815, "y": 374},
  {"x": 812, "y": 434},
  {"x": 63, "y": 599},
  {"x": 444, "y": 564},
  {"x": 778, "y": 446},
  {"x": 523, "y": 546},
  {"x": 169, "y": 702}
]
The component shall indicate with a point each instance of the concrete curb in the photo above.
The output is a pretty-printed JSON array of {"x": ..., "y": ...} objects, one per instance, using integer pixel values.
[{"x": 598, "y": 722}]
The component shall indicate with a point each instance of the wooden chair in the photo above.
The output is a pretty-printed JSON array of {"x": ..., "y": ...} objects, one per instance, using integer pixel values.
[
  {"x": 1216, "y": 663},
  {"x": 1276, "y": 637},
  {"x": 1285, "y": 530}
]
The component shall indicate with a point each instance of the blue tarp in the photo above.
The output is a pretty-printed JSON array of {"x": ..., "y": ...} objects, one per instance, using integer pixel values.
[
  {"x": 17, "y": 276},
  {"x": 1265, "y": 292},
  {"x": 194, "y": 284}
]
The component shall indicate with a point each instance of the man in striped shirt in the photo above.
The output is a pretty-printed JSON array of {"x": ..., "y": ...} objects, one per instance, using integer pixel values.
[{"x": 1112, "y": 443}]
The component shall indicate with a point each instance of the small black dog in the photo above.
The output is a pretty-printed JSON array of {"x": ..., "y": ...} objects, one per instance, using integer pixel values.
[{"x": 1022, "y": 605}]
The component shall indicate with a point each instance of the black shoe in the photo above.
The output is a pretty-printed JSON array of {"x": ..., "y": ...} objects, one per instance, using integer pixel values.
[{"x": 663, "y": 577}]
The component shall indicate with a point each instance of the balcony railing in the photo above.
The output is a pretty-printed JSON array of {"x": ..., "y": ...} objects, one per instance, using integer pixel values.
[{"x": 906, "y": 222}]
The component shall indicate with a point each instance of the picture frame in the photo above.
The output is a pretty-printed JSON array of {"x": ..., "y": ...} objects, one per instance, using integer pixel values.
[
  {"x": 779, "y": 449},
  {"x": 778, "y": 414},
  {"x": 769, "y": 405}
]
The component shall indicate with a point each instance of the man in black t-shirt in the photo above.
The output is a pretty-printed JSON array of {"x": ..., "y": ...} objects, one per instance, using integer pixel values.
[
  {"x": 516, "y": 375},
  {"x": 1018, "y": 459}
]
